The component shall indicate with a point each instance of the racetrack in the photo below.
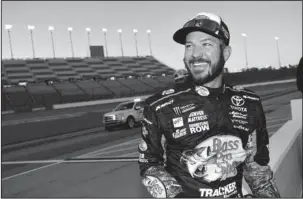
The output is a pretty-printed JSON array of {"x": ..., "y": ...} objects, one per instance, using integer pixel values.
[
  {"x": 49, "y": 123},
  {"x": 87, "y": 173}
]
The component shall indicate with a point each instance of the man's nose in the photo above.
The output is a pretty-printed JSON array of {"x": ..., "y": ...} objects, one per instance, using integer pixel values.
[{"x": 198, "y": 52}]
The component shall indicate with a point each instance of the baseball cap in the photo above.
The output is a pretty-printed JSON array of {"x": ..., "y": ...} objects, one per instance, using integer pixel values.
[{"x": 205, "y": 22}]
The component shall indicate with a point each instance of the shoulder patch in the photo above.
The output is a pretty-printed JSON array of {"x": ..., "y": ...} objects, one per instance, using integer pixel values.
[
  {"x": 251, "y": 97},
  {"x": 151, "y": 100},
  {"x": 167, "y": 92},
  {"x": 244, "y": 92},
  {"x": 238, "y": 87}
]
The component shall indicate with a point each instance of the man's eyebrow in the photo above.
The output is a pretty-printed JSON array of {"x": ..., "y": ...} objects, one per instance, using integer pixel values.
[{"x": 207, "y": 39}]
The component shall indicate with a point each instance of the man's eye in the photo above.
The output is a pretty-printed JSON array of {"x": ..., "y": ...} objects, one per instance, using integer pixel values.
[
  {"x": 188, "y": 46},
  {"x": 207, "y": 44}
]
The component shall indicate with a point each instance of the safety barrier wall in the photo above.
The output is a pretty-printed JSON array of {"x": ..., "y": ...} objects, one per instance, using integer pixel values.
[
  {"x": 286, "y": 154},
  {"x": 96, "y": 102}
]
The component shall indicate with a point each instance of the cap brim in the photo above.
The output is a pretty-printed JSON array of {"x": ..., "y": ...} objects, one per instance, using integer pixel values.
[{"x": 180, "y": 35}]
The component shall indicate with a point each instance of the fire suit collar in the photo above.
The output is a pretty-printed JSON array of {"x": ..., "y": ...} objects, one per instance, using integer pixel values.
[{"x": 205, "y": 91}]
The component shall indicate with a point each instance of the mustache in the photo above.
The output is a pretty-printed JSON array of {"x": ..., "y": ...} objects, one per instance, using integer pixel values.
[{"x": 198, "y": 60}]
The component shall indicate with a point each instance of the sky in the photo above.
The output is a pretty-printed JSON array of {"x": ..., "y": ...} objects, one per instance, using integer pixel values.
[{"x": 261, "y": 21}]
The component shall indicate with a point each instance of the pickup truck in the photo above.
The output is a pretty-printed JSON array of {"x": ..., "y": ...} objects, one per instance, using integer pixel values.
[{"x": 126, "y": 114}]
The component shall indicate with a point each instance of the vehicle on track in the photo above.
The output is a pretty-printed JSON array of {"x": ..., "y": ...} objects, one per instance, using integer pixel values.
[{"x": 127, "y": 114}]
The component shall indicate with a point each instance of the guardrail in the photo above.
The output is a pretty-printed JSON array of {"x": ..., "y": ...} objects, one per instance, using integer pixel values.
[
  {"x": 97, "y": 102},
  {"x": 285, "y": 149}
]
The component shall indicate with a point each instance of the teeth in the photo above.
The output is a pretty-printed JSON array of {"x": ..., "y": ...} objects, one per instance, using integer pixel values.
[{"x": 199, "y": 64}]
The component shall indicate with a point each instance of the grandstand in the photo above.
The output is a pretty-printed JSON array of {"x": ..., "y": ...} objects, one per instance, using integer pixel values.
[{"x": 40, "y": 83}]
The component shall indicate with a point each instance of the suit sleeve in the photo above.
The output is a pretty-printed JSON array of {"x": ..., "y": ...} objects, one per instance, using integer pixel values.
[
  {"x": 155, "y": 178},
  {"x": 300, "y": 75},
  {"x": 257, "y": 172}
]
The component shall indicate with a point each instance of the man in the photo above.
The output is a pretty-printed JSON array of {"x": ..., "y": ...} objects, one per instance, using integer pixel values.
[
  {"x": 300, "y": 75},
  {"x": 200, "y": 138}
]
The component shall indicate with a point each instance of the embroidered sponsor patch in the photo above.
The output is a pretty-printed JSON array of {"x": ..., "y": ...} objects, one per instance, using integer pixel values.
[
  {"x": 215, "y": 158},
  {"x": 237, "y": 108},
  {"x": 144, "y": 130},
  {"x": 183, "y": 109},
  {"x": 241, "y": 127},
  {"x": 143, "y": 145},
  {"x": 179, "y": 133},
  {"x": 223, "y": 191},
  {"x": 196, "y": 116},
  {"x": 198, "y": 127},
  {"x": 201, "y": 90},
  {"x": 178, "y": 122},
  {"x": 237, "y": 100},
  {"x": 164, "y": 104},
  {"x": 167, "y": 92},
  {"x": 250, "y": 97},
  {"x": 154, "y": 186}
]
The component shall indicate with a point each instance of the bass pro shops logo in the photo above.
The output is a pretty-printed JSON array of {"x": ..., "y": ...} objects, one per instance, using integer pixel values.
[
  {"x": 214, "y": 159},
  {"x": 237, "y": 100}
]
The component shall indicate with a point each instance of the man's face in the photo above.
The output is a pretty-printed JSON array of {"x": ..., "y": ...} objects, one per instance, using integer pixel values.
[{"x": 204, "y": 58}]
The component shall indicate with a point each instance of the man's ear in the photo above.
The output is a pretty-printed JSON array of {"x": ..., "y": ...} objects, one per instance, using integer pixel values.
[{"x": 226, "y": 53}]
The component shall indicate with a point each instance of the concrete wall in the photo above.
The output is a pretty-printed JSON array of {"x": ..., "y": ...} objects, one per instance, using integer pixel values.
[{"x": 286, "y": 154}]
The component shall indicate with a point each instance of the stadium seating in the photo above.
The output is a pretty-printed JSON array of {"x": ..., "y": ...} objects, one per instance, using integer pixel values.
[
  {"x": 140, "y": 87},
  {"x": 157, "y": 85},
  {"x": 5, "y": 104},
  {"x": 19, "y": 98},
  {"x": 94, "y": 89},
  {"x": 17, "y": 71},
  {"x": 169, "y": 81},
  {"x": 53, "y": 81},
  {"x": 43, "y": 95},
  {"x": 69, "y": 92},
  {"x": 118, "y": 89}
]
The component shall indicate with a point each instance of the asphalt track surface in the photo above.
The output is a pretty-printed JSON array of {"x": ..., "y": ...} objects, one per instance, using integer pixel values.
[{"x": 101, "y": 164}]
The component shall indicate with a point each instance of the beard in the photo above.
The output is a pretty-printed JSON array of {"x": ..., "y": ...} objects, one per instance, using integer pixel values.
[{"x": 205, "y": 75}]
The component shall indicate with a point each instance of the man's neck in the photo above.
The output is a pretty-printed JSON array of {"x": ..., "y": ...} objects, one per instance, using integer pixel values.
[{"x": 215, "y": 83}]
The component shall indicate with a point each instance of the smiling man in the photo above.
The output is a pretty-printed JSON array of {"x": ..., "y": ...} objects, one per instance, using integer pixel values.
[{"x": 201, "y": 137}]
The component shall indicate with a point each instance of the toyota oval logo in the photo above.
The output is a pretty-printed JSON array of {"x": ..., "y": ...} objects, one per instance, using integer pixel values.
[{"x": 237, "y": 100}]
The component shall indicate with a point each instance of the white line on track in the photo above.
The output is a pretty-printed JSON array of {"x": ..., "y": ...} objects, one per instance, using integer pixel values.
[
  {"x": 81, "y": 156},
  {"x": 275, "y": 117},
  {"x": 128, "y": 154},
  {"x": 43, "y": 118},
  {"x": 29, "y": 171},
  {"x": 107, "y": 148},
  {"x": 278, "y": 119},
  {"x": 275, "y": 125},
  {"x": 118, "y": 159},
  {"x": 114, "y": 151}
]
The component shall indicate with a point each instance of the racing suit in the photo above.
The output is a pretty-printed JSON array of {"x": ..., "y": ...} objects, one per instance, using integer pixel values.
[{"x": 200, "y": 142}]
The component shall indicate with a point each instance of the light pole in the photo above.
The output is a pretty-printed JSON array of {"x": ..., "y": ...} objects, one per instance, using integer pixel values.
[
  {"x": 8, "y": 27},
  {"x": 245, "y": 48},
  {"x": 120, "y": 36},
  {"x": 51, "y": 29},
  {"x": 136, "y": 42},
  {"x": 277, "y": 41},
  {"x": 70, "y": 29},
  {"x": 31, "y": 28},
  {"x": 150, "y": 49},
  {"x": 88, "y": 39},
  {"x": 105, "y": 40}
]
